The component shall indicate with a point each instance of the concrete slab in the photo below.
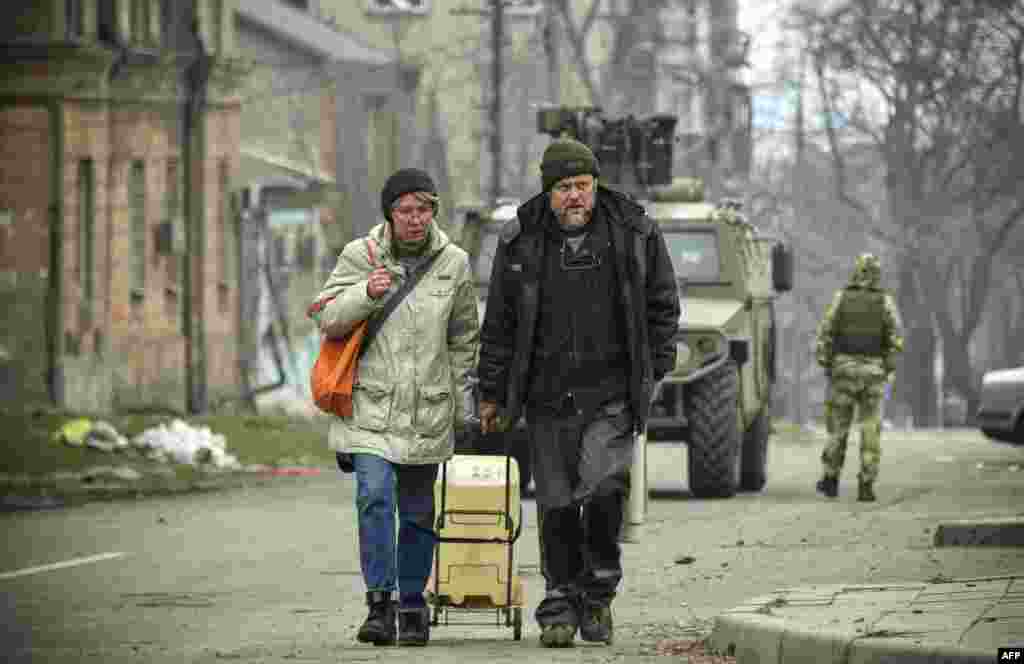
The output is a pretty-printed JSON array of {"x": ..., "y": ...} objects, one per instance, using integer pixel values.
[
  {"x": 816, "y": 646},
  {"x": 957, "y": 622},
  {"x": 749, "y": 637},
  {"x": 998, "y": 630},
  {"x": 918, "y": 621},
  {"x": 983, "y": 532},
  {"x": 899, "y": 651}
]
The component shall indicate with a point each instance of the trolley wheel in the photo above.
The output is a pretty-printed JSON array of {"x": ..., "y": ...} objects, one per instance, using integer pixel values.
[{"x": 517, "y": 623}]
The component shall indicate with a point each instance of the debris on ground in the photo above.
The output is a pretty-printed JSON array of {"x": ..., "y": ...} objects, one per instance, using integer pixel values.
[
  {"x": 695, "y": 651},
  {"x": 178, "y": 442},
  {"x": 99, "y": 435},
  {"x": 185, "y": 444}
]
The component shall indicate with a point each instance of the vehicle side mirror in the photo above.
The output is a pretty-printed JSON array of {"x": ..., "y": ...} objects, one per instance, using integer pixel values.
[{"x": 782, "y": 268}]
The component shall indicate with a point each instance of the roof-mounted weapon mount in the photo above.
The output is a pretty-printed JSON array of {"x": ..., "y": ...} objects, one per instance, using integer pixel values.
[{"x": 633, "y": 152}]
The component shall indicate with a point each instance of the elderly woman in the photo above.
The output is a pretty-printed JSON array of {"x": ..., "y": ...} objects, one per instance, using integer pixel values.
[{"x": 408, "y": 395}]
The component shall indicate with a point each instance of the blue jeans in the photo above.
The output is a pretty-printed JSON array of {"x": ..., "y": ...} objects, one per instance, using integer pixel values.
[{"x": 381, "y": 487}]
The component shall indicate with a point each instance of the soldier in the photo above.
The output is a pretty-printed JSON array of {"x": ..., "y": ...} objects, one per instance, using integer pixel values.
[{"x": 857, "y": 343}]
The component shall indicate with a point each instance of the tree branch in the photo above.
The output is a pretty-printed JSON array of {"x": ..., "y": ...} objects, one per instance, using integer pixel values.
[
  {"x": 577, "y": 39},
  {"x": 838, "y": 161}
]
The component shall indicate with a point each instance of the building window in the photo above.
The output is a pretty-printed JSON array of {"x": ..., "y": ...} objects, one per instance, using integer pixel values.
[
  {"x": 172, "y": 217},
  {"x": 172, "y": 193},
  {"x": 216, "y": 26},
  {"x": 74, "y": 19},
  {"x": 137, "y": 211},
  {"x": 224, "y": 235},
  {"x": 297, "y": 4},
  {"x": 225, "y": 238},
  {"x": 140, "y": 20},
  {"x": 86, "y": 234}
]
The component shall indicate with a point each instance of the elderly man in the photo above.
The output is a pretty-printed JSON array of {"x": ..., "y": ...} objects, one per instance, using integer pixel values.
[{"x": 579, "y": 326}]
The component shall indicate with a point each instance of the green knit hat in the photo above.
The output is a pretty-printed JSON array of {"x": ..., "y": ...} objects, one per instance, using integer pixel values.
[{"x": 565, "y": 158}]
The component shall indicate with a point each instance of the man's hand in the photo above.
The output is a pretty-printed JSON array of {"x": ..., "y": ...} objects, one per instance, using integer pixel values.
[{"x": 488, "y": 417}]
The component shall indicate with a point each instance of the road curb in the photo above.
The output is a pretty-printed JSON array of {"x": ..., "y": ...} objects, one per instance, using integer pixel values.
[
  {"x": 981, "y": 532},
  {"x": 58, "y": 490},
  {"x": 904, "y": 623}
]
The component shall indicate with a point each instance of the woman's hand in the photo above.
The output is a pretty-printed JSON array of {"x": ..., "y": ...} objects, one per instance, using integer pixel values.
[{"x": 378, "y": 283}]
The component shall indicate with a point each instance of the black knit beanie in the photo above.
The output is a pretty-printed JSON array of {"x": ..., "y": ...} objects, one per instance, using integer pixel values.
[
  {"x": 404, "y": 181},
  {"x": 565, "y": 158}
]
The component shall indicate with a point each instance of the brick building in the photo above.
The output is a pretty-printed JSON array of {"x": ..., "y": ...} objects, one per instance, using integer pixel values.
[{"x": 119, "y": 137}]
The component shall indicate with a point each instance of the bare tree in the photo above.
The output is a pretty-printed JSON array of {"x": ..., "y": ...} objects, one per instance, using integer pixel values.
[{"x": 948, "y": 79}]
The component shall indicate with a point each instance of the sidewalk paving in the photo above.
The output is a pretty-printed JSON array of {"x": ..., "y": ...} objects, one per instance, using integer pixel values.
[{"x": 961, "y": 621}]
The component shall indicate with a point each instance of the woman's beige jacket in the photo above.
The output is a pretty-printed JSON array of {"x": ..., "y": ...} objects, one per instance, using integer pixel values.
[{"x": 414, "y": 376}]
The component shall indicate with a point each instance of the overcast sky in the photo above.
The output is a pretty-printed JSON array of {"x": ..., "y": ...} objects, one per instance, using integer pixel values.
[{"x": 760, "y": 19}]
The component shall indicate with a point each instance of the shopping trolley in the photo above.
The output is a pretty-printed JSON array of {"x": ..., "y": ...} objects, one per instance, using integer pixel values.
[{"x": 479, "y": 519}]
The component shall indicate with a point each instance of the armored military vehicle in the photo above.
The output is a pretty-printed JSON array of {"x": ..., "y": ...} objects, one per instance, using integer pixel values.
[{"x": 717, "y": 398}]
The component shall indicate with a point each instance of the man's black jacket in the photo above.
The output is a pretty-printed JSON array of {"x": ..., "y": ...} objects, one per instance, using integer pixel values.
[{"x": 648, "y": 294}]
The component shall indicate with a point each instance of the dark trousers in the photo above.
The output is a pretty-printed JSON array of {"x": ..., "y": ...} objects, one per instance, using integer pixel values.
[{"x": 581, "y": 466}]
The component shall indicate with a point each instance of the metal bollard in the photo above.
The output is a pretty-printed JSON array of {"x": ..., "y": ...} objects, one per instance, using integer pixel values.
[{"x": 635, "y": 511}]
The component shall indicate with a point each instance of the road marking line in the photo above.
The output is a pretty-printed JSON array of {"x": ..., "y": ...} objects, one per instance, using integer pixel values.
[{"x": 66, "y": 563}]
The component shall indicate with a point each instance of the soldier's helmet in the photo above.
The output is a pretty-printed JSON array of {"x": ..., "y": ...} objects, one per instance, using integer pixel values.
[{"x": 867, "y": 271}]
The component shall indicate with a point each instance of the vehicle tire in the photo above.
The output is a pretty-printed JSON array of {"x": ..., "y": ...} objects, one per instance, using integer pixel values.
[
  {"x": 1005, "y": 436},
  {"x": 713, "y": 456},
  {"x": 754, "y": 461}
]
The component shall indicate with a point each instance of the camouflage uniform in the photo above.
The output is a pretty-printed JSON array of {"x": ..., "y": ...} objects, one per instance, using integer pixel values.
[{"x": 857, "y": 342}]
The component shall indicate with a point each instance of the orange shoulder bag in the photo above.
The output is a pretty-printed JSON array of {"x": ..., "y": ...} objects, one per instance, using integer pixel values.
[{"x": 334, "y": 372}]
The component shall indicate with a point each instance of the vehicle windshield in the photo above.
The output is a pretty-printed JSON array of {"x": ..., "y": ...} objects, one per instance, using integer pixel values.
[{"x": 694, "y": 255}]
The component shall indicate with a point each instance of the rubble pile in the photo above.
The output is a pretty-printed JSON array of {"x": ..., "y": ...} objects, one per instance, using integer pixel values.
[{"x": 177, "y": 441}]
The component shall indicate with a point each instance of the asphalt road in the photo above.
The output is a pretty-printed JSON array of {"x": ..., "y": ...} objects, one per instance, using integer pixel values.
[{"x": 271, "y": 574}]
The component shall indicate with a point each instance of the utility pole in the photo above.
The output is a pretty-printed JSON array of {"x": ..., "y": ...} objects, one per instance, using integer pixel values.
[
  {"x": 497, "y": 75},
  {"x": 551, "y": 46},
  {"x": 497, "y": 15}
]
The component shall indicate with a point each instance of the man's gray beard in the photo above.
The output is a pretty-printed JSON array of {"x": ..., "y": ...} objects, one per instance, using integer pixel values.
[{"x": 572, "y": 222}]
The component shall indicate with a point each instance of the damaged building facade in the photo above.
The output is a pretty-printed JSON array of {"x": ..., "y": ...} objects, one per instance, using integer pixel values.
[{"x": 119, "y": 127}]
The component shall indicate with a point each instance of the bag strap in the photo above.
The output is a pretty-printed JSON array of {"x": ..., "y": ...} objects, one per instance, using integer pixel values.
[{"x": 375, "y": 322}]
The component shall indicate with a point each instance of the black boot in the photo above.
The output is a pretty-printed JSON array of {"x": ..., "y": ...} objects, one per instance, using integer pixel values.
[
  {"x": 828, "y": 486},
  {"x": 379, "y": 628},
  {"x": 866, "y": 491},
  {"x": 596, "y": 622},
  {"x": 413, "y": 626}
]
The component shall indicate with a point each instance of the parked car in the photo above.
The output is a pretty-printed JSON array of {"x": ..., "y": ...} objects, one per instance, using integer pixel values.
[{"x": 1001, "y": 411}]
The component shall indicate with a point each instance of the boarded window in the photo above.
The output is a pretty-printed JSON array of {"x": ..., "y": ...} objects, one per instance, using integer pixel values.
[
  {"x": 87, "y": 231},
  {"x": 137, "y": 213}
]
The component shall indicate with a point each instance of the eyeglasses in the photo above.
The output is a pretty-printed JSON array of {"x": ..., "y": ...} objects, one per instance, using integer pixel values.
[
  {"x": 408, "y": 211},
  {"x": 579, "y": 186},
  {"x": 583, "y": 259}
]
